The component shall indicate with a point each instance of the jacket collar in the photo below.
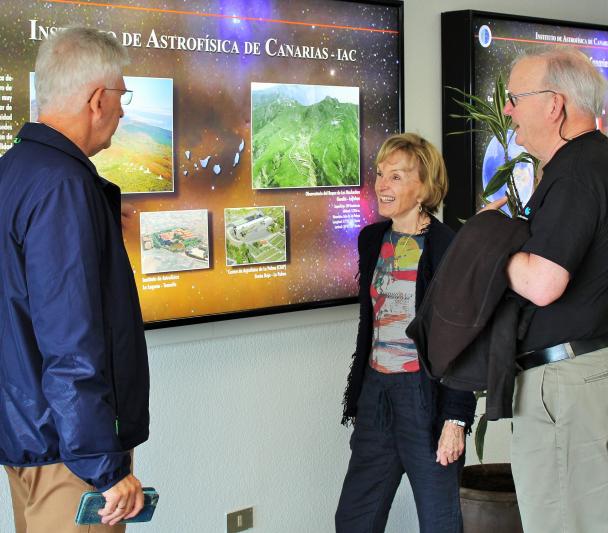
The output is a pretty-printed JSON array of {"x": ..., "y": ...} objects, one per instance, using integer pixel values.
[{"x": 43, "y": 134}]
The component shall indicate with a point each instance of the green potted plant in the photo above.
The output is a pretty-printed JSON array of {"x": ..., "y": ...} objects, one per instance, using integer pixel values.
[
  {"x": 488, "y": 116},
  {"x": 487, "y": 493}
]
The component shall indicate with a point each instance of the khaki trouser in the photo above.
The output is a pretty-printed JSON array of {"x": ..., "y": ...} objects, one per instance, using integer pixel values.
[
  {"x": 45, "y": 500},
  {"x": 560, "y": 445}
]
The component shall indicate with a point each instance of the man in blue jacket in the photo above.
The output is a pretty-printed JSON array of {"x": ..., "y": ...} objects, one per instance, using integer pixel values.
[{"x": 74, "y": 377}]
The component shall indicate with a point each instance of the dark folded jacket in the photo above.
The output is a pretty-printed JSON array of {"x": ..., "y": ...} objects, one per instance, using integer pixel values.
[{"x": 466, "y": 329}]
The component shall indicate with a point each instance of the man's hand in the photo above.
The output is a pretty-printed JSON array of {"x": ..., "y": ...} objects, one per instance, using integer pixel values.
[
  {"x": 495, "y": 205},
  {"x": 127, "y": 215},
  {"x": 123, "y": 500},
  {"x": 451, "y": 443}
]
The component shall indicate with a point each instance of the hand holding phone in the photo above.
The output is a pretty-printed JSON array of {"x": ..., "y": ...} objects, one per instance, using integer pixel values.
[
  {"x": 92, "y": 502},
  {"x": 124, "y": 500}
]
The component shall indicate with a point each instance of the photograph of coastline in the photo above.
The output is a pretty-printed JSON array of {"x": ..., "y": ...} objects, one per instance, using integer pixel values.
[{"x": 140, "y": 159}]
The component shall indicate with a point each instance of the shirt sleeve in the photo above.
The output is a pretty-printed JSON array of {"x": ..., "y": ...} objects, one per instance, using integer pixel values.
[
  {"x": 63, "y": 249},
  {"x": 564, "y": 225}
]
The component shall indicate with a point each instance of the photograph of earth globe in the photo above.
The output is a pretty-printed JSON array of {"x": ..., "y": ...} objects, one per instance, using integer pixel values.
[{"x": 523, "y": 174}]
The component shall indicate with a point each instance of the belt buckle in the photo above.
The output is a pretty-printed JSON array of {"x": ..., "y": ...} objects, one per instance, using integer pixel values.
[
  {"x": 569, "y": 350},
  {"x": 518, "y": 367}
]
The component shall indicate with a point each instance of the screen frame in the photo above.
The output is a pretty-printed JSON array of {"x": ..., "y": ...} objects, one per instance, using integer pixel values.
[
  {"x": 318, "y": 304},
  {"x": 457, "y": 70}
]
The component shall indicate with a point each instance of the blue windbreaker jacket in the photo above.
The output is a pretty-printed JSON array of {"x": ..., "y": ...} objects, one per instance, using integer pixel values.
[{"x": 74, "y": 379}]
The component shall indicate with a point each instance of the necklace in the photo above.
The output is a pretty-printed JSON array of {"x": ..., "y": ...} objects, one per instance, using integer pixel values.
[{"x": 394, "y": 242}]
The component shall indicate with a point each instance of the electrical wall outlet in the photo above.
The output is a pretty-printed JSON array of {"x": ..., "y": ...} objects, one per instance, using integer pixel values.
[{"x": 239, "y": 520}]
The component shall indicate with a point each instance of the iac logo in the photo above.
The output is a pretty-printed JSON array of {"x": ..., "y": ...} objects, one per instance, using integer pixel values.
[{"x": 485, "y": 36}]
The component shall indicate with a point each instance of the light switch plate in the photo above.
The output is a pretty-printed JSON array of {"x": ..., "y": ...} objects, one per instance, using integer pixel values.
[{"x": 240, "y": 520}]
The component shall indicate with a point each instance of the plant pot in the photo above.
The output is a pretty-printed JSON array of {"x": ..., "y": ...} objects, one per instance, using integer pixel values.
[{"x": 488, "y": 500}]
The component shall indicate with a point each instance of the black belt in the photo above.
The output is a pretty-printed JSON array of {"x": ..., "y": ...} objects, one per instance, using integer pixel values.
[{"x": 559, "y": 352}]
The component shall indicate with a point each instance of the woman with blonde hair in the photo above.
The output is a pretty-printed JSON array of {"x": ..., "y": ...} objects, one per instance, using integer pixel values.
[{"x": 403, "y": 421}]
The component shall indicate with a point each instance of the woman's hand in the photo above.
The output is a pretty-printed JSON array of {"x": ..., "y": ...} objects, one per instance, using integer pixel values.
[{"x": 451, "y": 443}]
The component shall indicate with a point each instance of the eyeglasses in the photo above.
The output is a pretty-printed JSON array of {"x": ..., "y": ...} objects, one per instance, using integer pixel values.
[
  {"x": 513, "y": 98},
  {"x": 125, "y": 97}
]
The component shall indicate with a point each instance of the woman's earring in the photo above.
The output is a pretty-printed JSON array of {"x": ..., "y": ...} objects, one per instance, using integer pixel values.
[{"x": 419, "y": 207}]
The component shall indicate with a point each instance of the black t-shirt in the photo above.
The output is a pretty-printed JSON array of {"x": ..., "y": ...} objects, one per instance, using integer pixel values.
[{"x": 569, "y": 226}]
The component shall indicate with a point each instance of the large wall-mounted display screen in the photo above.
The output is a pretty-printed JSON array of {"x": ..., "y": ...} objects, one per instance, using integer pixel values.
[
  {"x": 477, "y": 47},
  {"x": 246, "y": 157}
]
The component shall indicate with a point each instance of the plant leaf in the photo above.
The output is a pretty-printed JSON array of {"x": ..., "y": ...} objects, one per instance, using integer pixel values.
[
  {"x": 480, "y": 394},
  {"x": 466, "y": 131},
  {"x": 498, "y": 180},
  {"x": 480, "y": 436},
  {"x": 489, "y": 117}
]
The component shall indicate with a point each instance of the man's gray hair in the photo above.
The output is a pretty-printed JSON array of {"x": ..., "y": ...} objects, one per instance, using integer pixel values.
[
  {"x": 571, "y": 73},
  {"x": 70, "y": 62}
]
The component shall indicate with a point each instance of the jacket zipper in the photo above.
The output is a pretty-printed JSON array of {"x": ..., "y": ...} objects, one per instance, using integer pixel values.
[{"x": 113, "y": 379}]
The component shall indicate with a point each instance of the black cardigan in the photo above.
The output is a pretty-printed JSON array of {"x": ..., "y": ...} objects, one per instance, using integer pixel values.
[{"x": 445, "y": 403}]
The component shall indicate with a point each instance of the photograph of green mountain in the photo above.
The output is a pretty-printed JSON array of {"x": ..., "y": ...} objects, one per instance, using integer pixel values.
[
  {"x": 255, "y": 235},
  {"x": 140, "y": 159},
  {"x": 304, "y": 136}
]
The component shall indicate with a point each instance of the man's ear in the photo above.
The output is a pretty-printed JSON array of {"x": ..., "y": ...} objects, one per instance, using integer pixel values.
[
  {"x": 558, "y": 106},
  {"x": 95, "y": 102}
]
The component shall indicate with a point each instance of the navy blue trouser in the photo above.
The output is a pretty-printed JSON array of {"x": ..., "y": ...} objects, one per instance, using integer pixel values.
[{"x": 393, "y": 435}]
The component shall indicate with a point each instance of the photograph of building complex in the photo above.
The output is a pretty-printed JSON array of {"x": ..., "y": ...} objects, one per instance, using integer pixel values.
[
  {"x": 174, "y": 240},
  {"x": 304, "y": 136},
  {"x": 255, "y": 235}
]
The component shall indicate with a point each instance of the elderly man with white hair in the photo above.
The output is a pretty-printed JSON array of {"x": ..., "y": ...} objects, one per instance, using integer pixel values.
[
  {"x": 74, "y": 380},
  {"x": 560, "y": 422}
]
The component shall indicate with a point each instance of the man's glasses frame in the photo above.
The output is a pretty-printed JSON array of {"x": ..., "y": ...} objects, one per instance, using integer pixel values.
[
  {"x": 125, "y": 97},
  {"x": 513, "y": 98}
]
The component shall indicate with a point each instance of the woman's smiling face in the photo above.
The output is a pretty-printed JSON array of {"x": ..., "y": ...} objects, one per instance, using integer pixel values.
[{"x": 398, "y": 186}]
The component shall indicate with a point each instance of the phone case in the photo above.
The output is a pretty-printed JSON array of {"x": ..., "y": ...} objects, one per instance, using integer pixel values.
[{"x": 91, "y": 502}]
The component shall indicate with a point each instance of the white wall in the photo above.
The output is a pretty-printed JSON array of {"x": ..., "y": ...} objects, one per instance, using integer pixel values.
[{"x": 246, "y": 412}]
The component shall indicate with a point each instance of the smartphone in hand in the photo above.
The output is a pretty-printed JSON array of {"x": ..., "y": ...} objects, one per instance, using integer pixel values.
[{"x": 92, "y": 502}]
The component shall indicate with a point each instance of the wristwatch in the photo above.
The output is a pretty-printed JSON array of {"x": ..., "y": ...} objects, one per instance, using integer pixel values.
[{"x": 459, "y": 423}]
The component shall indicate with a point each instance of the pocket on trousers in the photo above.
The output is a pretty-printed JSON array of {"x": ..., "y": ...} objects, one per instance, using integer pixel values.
[
  {"x": 422, "y": 401},
  {"x": 598, "y": 376},
  {"x": 549, "y": 394},
  {"x": 367, "y": 405}
]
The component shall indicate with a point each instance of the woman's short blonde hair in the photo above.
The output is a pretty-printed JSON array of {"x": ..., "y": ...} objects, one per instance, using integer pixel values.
[{"x": 431, "y": 168}]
